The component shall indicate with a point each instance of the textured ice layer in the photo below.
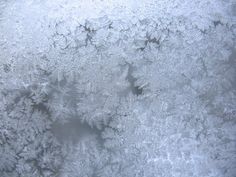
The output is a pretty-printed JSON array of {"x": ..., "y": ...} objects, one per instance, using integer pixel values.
[{"x": 117, "y": 88}]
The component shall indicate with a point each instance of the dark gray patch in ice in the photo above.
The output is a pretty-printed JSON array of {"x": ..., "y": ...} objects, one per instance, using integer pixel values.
[
  {"x": 217, "y": 22},
  {"x": 74, "y": 131},
  {"x": 234, "y": 9},
  {"x": 232, "y": 63},
  {"x": 136, "y": 90}
]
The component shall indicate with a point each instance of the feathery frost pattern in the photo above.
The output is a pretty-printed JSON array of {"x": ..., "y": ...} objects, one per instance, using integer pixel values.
[{"x": 109, "y": 88}]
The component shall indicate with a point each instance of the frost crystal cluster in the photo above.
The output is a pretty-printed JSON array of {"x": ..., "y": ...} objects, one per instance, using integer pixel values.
[{"x": 117, "y": 88}]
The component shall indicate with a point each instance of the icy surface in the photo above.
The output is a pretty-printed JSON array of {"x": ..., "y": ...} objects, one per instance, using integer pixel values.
[{"x": 117, "y": 88}]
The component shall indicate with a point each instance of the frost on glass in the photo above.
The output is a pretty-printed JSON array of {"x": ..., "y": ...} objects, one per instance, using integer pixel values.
[{"x": 117, "y": 88}]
